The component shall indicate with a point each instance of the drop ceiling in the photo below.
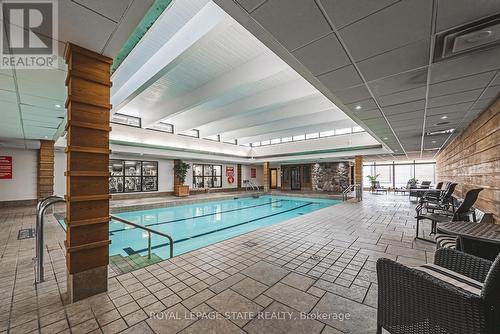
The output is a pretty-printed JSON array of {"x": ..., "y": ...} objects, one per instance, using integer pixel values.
[
  {"x": 32, "y": 101},
  {"x": 374, "y": 57}
]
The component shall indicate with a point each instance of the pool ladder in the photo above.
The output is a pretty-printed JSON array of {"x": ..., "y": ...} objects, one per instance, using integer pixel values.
[{"x": 150, "y": 231}]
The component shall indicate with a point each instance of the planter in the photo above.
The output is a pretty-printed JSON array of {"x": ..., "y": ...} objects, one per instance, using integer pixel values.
[{"x": 181, "y": 190}]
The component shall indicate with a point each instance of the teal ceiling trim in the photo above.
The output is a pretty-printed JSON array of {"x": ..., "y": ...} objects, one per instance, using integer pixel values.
[{"x": 147, "y": 21}]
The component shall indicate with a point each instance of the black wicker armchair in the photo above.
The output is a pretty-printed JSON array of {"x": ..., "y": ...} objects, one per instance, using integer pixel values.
[{"x": 413, "y": 301}]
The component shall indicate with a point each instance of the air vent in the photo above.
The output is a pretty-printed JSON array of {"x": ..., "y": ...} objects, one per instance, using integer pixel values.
[{"x": 475, "y": 36}]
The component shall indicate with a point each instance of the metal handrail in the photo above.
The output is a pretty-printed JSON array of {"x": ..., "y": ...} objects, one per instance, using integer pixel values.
[
  {"x": 171, "y": 241},
  {"x": 350, "y": 188},
  {"x": 41, "y": 207}
]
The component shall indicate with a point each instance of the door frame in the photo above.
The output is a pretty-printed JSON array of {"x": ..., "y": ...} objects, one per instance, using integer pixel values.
[{"x": 271, "y": 178}]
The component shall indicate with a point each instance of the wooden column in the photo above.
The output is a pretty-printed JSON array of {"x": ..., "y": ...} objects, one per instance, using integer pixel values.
[
  {"x": 265, "y": 177},
  {"x": 358, "y": 172},
  {"x": 45, "y": 177},
  {"x": 238, "y": 176},
  {"x": 87, "y": 198}
]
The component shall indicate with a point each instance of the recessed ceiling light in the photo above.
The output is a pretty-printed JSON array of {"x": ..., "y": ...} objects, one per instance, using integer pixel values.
[
  {"x": 444, "y": 117},
  {"x": 433, "y": 141},
  {"x": 58, "y": 106},
  {"x": 357, "y": 107},
  {"x": 46, "y": 137},
  {"x": 385, "y": 138}
]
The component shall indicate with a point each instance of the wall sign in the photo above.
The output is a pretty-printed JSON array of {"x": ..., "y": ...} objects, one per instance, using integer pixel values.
[
  {"x": 253, "y": 173},
  {"x": 230, "y": 174},
  {"x": 5, "y": 167}
]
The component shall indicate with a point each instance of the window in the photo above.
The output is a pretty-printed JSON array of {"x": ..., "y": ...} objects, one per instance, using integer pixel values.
[
  {"x": 191, "y": 133},
  {"x": 312, "y": 135},
  {"x": 357, "y": 129},
  {"x": 207, "y": 176},
  {"x": 299, "y": 137},
  {"x": 256, "y": 144},
  {"x": 164, "y": 127},
  {"x": 343, "y": 131},
  {"x": 286, "y": 139},
  {"x": 265, "y": 142},
  {"x": 133, "y": 176},
  {"x": 327, "y": 133},
  {"x": 276, "y": 141},
  {"x": 402, "y": 173},
  {"x": 385, "y": 175},
  {"x": 126, "y": 120},
  {"x": 425, "y": 172},
  {"x": 234, "y": 142},
  {"x": 213, "y": 138}
]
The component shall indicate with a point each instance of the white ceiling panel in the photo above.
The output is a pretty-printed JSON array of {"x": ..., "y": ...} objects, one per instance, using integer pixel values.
[
  {"x": 460, "y": 108},
  {"x": 7, "y": 83},
  {"x": 112, "y": 9},
  {"x": 400, "y": 82},
  {"x": 402, "y": 97},
  {"x": 462, "y": 84},
  {"x": 404, "y": 107},
  {"x": 376, "y": 33},
  {"x": 344, "y": 12},
  {"x": 362, "y": 106},
  {"x": 491, "y": 92},
  {"x": 312, "y": 55},
  {"x": 250, "y": 5},
  {"x": 353, "y": 94},
  {"x": 341, "y": 79},
  {"x": 396, "y": 61},
  {"x": 452, "y": 13},
  {"x": 293, "y": 23},
  {"x": 450, "y": 99}
]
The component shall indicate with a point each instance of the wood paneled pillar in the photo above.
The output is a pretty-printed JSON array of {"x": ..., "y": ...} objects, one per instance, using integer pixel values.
[
  {"x": 87, "y": 198},
  {"x": 45, "y": 177},
  {"x": 358, "y": 173},
  {"x": 265, "y": 177},
  {"x": 238, "y": 176}
]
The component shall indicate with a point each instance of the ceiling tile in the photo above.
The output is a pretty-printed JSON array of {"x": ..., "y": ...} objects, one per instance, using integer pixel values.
[
  {"x": 250, "y": 5},
  {"x": 344, "y": 12},
  {"x": 483, "y": 103},
  {"x": 83, "y": 20},
  {"x": 353, "y": 94},
  {"x": 399, "y": 60},
  {"x": 469, "y": 64},
  {"x": 299, "y": 23},
  {"x": 46, "y": 83},
  {"x": 8, "y": 96},
  {"x": 460, "y": 108},
  {"x": 402, "y": 97},
  {"x": 399, "y": 82},
  {"x": 462, "y": 84},
  {"x": 395, "y": 26},
  {"x": 404, "y": 107},
  {"x": 7, "y": 83},
  {"x": 341, "y": 79},
  {"x": 491, "y": 92},
  {"x": 443, "y": 100},
  {"x": 452, "y": 13},
  {"x": 313, "y": 55},
  {"x": 363, "y": 106},
  {"x": 112, "y": 9}
]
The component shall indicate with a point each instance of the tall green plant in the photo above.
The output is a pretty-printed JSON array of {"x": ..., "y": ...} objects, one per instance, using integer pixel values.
[
  {"x": 372, "y": 178},
  {"x": 180, "y": 171}
]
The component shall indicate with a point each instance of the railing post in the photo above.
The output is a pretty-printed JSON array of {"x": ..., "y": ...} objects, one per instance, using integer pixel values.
[{"x": 149, "y": 245}]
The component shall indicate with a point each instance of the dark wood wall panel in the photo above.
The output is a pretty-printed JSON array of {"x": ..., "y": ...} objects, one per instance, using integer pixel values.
[
  {"x": 45, "y": 177},
  {"x": 473, "y": 160}
]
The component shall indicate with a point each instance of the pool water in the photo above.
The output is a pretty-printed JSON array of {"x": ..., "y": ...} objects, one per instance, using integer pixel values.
[{"x": 201, "y": 224}]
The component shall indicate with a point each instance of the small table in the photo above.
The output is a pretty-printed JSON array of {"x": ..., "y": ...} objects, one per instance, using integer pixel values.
[{"x": 475, "y": 238}]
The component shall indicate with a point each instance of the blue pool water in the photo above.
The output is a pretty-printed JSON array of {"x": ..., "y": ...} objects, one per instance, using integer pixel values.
[{"x": 201, "y": 224}]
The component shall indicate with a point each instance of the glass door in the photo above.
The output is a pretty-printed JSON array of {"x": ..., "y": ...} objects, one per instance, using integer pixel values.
[
  {"x": 295, "y": 178},
  {"x": 274, "y": 178}
]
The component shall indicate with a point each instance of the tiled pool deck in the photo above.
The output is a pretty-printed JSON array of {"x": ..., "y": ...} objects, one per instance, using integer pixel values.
[{"x": 321, "y": 263}]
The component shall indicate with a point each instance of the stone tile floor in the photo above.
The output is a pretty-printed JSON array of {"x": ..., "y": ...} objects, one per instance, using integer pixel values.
[{"x": 311, "y": 274}]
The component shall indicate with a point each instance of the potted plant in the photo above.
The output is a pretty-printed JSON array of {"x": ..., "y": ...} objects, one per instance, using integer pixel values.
[
  {"x": 373, "y": 179},
  {"x": 180, "y": 171},
  {"x": 413, "y": 182}
]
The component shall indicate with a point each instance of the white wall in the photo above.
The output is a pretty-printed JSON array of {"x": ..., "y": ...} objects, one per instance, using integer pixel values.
[
  {"x": 245, "y": 174},
  {"x": 59, "y": 169},
  {"x": 24, "y": 174}
]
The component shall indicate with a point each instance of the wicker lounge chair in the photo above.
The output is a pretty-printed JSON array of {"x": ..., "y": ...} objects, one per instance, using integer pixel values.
[{"x": 458, "y": 294}]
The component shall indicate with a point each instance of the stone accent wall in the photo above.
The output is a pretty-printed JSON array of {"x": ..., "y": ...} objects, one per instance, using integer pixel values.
[
  {"x": 473, "y": 160},
  {"x": 330, "y": 176}
]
